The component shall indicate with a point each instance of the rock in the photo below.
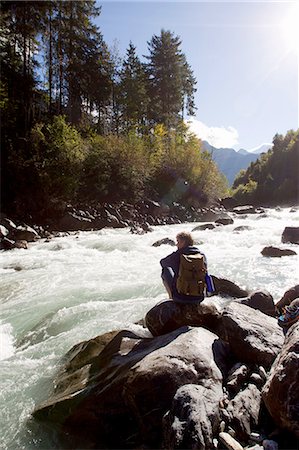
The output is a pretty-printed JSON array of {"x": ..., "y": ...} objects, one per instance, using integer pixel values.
[
  {"x": 277, "y": 252},
  {"x": 242, "y": 228},
  {"x": 121, "y": 395},
  {"x": 236, "y": 377},
  {"x": 24, "y": 233},
  {"x": 290, "y": 234},
  {"x": 246, "y": 209},
  {"x": 254, "y": 337},
  {"x": 168, "y": 315},
  {"x": 281, "y": 391},
  {"x": 21, "y": 244},
  {"x": 164, "y": 241},
  {"x": 228, "y": 288},
  {"x": 3, "y": 231},
  {"x": 290, "y": 295},
  {"x": 229, "y": 441},
  {"x": 206, "y": 226},
  {"x": 229, "y": 203},
  {"x": 224, "y": 221},
  {"x": 244, "y": 411},
  {"x": 73, "y": 222},
  {"x": 263, "y": 301},
  {"x": 6, "y": 244},
  {"x": 256, "y": 379},
  {"x": 193, "y": 418}
]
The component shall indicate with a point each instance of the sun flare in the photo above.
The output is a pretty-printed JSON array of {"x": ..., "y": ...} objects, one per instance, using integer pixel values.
[{"x": 289, "y": 29}]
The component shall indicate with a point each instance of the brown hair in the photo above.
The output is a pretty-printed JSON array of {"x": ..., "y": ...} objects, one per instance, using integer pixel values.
[{"x": 186, "y": 237}]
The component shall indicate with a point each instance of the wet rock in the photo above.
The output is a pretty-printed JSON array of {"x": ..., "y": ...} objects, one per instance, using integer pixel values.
[
  {"x": 206, "y": 226},
  {"x": 290, "y": 234},
  {"x": 281, "y": 391},
  {"x": 228, "y": 288},
  {"x": 224, "y": 221},
  {"x": 73, "y": 222},
  {"x": 21, "y": 244},
  {"x": 246, "y": 209},
  {"x": 242, "y": 228},
  {"x": 164, "y": 241},
  {"x": 24, "y": 233},
  {"x": 6, "y": 244},
  {"x": 244, "y": 411},
  {"x": 254, "y": 337},
  {"x": 275, "y": 252}
]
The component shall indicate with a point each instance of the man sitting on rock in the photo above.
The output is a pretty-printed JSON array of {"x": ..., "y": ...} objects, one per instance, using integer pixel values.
[{"x": 184, "y": 271}]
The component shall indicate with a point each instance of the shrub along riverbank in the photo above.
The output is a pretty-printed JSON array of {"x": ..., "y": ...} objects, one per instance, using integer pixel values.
[{"x": 58, "y": 163}]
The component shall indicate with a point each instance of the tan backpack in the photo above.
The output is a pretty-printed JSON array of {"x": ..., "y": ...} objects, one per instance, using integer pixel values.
[{"x": 192, "y": 271}]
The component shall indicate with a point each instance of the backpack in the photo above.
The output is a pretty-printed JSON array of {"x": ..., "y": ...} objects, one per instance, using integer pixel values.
[{"x": 192, "y": 271}]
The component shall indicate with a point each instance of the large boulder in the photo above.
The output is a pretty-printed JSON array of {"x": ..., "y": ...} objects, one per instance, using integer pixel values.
[
  {"x": 119, "y": 397},
  {"x": 290, "y": 295},
  {"x": 73, "y": 222},
  {"x": 168, "y": 315},
  {"x": 194, "y": 417},
  {"x": 290, "y": 234},
  {"x": 225, "y": 288},
  {"x": 274, "y": 252},
  {"x": 281, "y": 391},
  {"x": 253, "y": 336},
  {"x": 261, "y": 300},
  {"x": 244, "y": 410},
  {"x": 24, "y": 233}
]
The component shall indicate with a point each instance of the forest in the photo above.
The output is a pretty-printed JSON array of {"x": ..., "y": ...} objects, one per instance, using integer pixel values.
[
  {"x": 272, "y": 179},
  {"x": 80, "y": 124},
  {"x": 94, "y": 127}
]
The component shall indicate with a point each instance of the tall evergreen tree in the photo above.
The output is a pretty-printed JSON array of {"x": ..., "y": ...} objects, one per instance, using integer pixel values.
[
  {"x": 133, "y": 88},
  {"x": 170, "y": 78}
]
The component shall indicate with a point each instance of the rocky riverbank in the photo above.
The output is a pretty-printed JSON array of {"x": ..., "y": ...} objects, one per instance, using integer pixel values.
[
  {"x": 139, "y": 218},
  {"x": 196, "y": 376}
]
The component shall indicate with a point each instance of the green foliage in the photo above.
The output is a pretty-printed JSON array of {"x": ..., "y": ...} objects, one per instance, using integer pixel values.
[
  {"x": 115, "y": 168},
  {"x": 142, "y": 149},
  {"x": 273, "y": 178},
  {"x": 58, "y": 152},
  {"x": 171, "y": 84}
]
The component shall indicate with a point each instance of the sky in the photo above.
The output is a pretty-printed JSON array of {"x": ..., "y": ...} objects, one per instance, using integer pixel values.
[{"x": 244, "y": 56}]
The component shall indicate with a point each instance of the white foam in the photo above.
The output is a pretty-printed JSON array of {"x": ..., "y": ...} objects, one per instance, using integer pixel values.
[{"x": 6, "y": 341}]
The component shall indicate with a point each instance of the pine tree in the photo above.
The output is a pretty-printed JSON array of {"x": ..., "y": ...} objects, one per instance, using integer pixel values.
[
  {"x": 171, "y": 84},
  {"x": 133, "y": 90}
]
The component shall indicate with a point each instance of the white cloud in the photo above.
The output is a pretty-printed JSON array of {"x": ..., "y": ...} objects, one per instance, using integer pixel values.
[{"x": 216, "y": 136}]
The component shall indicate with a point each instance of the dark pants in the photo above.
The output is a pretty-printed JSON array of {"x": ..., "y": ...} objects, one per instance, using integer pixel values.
[{"x": 168, "y": 276}]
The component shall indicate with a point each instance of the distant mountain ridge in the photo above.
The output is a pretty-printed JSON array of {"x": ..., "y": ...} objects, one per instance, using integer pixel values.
[{"x": 230, "y": 161}]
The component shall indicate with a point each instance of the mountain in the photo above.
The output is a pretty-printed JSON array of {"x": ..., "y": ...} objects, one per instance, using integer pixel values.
[
  {"x": 230, "y": 161},
  {"x": 263, "y": 148}
]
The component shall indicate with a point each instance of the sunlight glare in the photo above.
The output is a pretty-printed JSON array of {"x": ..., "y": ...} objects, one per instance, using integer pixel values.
[{"x": 289, "y": 29}]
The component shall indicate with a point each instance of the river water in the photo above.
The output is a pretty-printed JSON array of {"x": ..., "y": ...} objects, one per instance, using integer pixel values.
[{"x": 58, "y": 293}]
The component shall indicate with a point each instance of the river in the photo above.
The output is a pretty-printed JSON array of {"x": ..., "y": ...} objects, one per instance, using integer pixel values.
[{"x": 72, "y": 288}]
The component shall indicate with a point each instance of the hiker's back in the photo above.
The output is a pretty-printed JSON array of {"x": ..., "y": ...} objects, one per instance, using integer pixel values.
[{"x": 191, "y": 277}]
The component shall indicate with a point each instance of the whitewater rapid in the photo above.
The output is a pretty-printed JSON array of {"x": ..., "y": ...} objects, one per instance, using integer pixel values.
[{"x": 59, "y": 293}]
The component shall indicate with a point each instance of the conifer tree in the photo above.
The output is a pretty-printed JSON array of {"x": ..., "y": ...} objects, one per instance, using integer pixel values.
[
  {"x": 133, "y": 90},
  {"x": 171, "y": 84}
]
